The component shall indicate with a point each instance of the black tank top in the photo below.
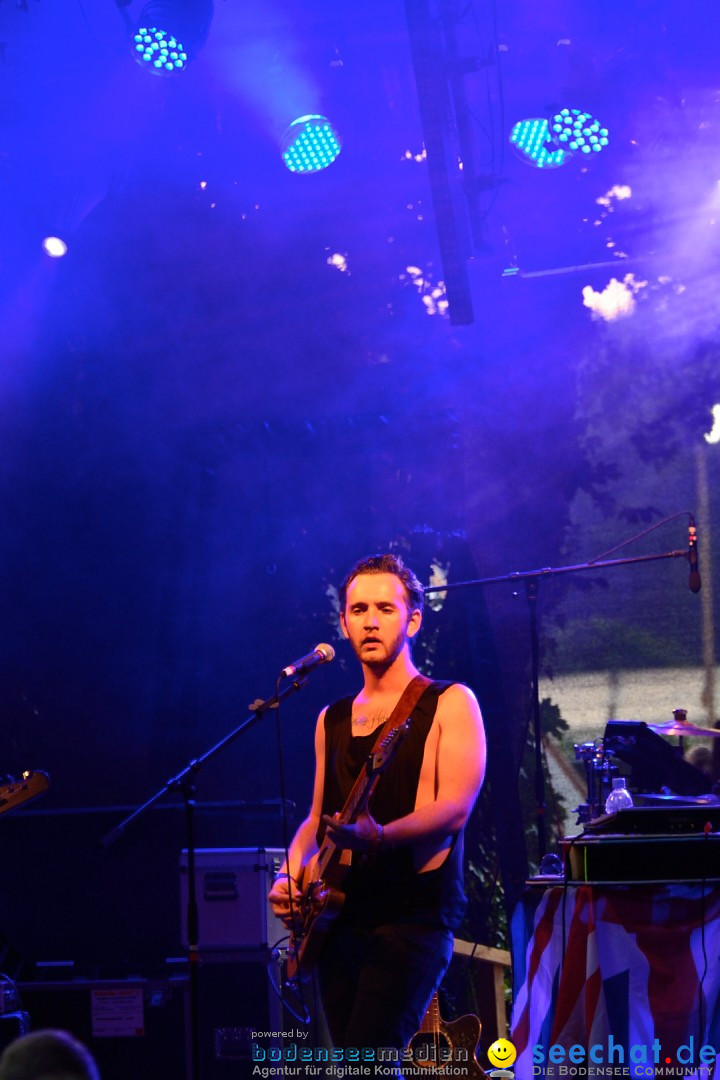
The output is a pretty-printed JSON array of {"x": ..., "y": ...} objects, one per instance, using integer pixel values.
[{"x": 387, "y": 888}]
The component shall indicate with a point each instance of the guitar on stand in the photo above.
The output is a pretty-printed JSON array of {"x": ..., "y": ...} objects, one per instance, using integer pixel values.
[
  {"x": 29, "y": 786},
  {"x": 434, "y": 1047}
]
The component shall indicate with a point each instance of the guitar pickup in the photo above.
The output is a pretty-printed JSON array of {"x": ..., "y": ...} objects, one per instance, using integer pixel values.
[{"x": 220, "y": 885}]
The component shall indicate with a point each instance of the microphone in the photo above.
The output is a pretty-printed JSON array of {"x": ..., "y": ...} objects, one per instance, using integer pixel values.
[
  {"x": 694, "y": 580},
  {"x": 321, "y": 654}
]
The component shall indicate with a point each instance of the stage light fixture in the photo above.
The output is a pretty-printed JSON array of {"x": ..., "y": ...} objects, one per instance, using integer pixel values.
[
  {"x": 159, "y": 51},
  {"x": 547, "y": 144},
  {"x": 530, "y": 140},
  {"x": 54, "y": 247},
  {"x": 310, "y": 144},
  {"x": 577, "y": 131},
  {"x": 170, "y": 33}
]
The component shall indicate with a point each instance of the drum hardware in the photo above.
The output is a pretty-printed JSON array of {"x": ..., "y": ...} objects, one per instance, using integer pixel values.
[
  {"x": 655, "y": 764},
  {"x": 599, "y": 771}
]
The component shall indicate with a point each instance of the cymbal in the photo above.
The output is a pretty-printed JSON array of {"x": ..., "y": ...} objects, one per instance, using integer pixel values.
[
  {"x": 682, "y": 728},
  {"x": 647, "y": 798}
]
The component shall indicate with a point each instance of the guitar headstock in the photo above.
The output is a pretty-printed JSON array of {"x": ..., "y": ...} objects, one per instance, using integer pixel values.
[
  {"x": 376, "y": 762},
  {"x": 13, "y": 792}
]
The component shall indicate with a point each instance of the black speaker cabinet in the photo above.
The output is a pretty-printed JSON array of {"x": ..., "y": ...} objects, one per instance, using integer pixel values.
[
  {"x": 237, "y": 1004},
  {"x": 133, "y": 1027},
  {"x": 140, "y": 1028}
]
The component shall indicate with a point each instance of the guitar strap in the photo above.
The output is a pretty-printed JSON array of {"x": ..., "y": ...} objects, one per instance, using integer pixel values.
[{"x": 408, "y": 700}]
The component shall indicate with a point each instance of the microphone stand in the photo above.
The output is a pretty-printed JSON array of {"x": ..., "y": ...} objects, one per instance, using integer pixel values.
[
  {"x": 531, "y": 579},
  {"x": 184, "y": 781}
]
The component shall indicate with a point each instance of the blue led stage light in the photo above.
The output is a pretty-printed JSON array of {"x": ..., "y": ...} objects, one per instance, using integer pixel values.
[
  {"x": 310, "y": 144},
  {"x": 530, "y": 140},
  {"x": 159, "y": 51},
  {"x": 549, "y": 144},
  {"x": 170, "y": 33},
  {"x": 577, "y": 131}
]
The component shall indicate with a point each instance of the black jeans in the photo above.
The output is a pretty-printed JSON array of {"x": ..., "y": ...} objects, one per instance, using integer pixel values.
[{"x": 376, "y": 982}]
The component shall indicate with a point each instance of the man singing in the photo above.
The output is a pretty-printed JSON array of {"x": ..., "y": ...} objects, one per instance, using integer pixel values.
[{"x": 391, "y": 943}]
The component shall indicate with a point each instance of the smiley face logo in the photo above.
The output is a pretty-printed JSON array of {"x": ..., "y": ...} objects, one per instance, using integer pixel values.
[{"x": 502, "y": 1053}]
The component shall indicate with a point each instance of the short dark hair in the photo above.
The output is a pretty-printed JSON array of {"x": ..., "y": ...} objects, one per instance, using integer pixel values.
[
  {"x": 385, "y": 564},
  {"x": 47, "y": 1055}
]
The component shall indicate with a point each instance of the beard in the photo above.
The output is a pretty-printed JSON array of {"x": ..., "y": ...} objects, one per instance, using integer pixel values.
[{"x": 381, "y": 654}]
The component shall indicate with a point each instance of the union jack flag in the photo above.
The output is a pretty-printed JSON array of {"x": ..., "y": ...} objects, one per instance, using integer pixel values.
[{"x": 617, "y": 968}]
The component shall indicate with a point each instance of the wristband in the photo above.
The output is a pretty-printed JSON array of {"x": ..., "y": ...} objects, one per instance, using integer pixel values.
[{"x": 284, "y": 873}]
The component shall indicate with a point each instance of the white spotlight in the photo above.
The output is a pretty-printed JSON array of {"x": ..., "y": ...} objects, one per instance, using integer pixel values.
[{"x": 54, "y": 247}]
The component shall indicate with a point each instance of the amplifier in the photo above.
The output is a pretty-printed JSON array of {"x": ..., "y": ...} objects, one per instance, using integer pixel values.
[
  {"x": 236, "y": 999},
  {"x": 232, "y": 886},
  {"x": 133, "y": 1027},
  {"x": 677, "y": 817},
  {"x": 609, "y": 859}
]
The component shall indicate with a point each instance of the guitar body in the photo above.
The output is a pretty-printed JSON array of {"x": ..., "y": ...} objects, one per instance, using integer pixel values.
[
  {"x": 318, "y": 912},
  {"x": 31, "y": 784},
  {"x": 322, "y": 896},
  {"x": 434, "y": 1047}
]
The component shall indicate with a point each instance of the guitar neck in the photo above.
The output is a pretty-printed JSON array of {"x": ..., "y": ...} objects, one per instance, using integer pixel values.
[
  {"x": 431, "y": 1021},
  {"x": 358, "y": 798},
  {"x": 355, "y": 803},
  {"x": 363, "y": 788},
  {"x": 322, "y": 896}
]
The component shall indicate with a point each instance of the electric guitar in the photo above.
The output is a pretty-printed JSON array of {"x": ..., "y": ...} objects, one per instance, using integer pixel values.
[
  {"x": 322, "y": 896},
  {"x": 14, "y": 792},
  {"x": 434, "y": 1046}
]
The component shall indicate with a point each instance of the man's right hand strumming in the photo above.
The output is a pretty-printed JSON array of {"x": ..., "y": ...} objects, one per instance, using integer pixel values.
[{"x": 279, "y": 897}]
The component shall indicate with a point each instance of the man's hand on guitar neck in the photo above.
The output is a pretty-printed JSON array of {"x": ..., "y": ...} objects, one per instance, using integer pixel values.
[{"x": 364, "y": 835}]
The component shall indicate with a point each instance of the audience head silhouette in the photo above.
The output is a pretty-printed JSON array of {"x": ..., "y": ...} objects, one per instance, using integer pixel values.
[{"x": 47, "y": 1055}]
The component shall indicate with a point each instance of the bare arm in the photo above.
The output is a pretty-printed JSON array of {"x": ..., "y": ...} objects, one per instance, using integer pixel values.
[
  {"x": 460, "y": 768},
  {"x": 304, "y": 843}
]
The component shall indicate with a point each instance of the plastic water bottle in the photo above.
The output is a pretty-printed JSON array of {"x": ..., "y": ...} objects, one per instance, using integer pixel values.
[{"x": 619, "y": 798}]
